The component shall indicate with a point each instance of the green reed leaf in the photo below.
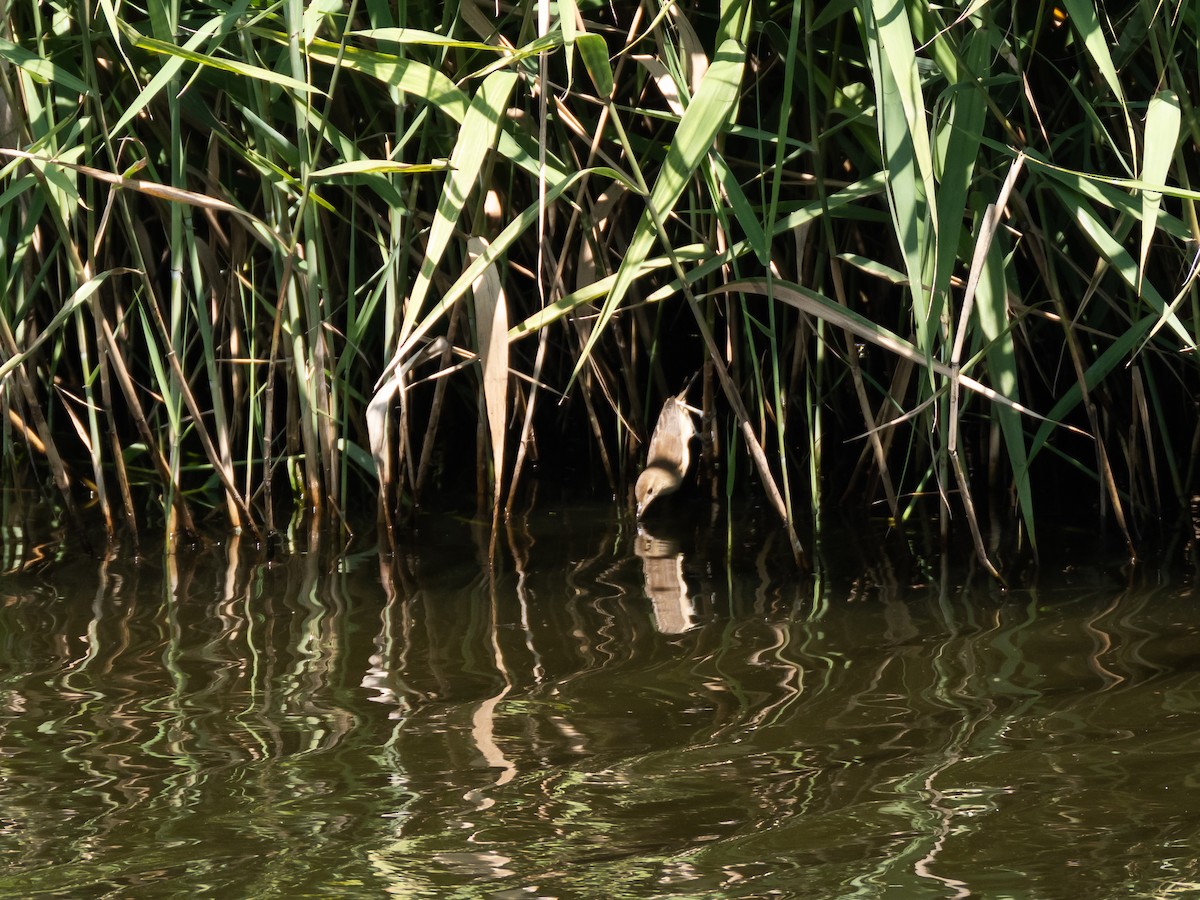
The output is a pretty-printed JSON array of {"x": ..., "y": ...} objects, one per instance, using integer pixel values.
[
  {"x": 415, "y": 36},
  {"x": 406, "y": 75},
  {"x": 991, "y": 310},
  {"x": 693, "y": 140},
  {"x": 234, "y": 66},
  {"x": 1117, "y": 353},
  {"x": 371, "y": 166},
  {"x": 479, "y": 132},
  {"x": 1085, "y": 20},
  {"x": 593, "y": 50},
  {"x": 1112, "y": 249},
  {"x": 77, "y": 299},
  {"x": 1162, "y": 135},
  {"x": 42, "y": 69},
  {"x": 904, "y": 141}
]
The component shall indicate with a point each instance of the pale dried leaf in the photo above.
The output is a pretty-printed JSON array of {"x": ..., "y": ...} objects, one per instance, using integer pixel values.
[
  {"x": 491, "y": 318},
  {"x": 377, "y": 428},
  {"x": 663, "y": 79},
  {"x": 694, "y": 58}
]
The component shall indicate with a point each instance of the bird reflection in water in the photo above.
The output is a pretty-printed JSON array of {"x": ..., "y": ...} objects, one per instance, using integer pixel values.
[{"x": 662, "y": 567}]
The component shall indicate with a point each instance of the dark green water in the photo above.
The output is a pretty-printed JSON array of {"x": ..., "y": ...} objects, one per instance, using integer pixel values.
[{"x": 212, "y": 724}]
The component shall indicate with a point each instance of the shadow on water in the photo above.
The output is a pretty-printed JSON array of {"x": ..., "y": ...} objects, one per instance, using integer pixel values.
[{"x": 614, "y": 713}]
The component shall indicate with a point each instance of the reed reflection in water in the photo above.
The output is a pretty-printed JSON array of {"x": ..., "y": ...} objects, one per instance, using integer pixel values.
[{"x": 606, "y": 716}]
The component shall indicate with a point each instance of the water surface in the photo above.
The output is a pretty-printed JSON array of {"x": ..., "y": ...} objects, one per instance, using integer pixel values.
[{"x": 606, "y": 715}]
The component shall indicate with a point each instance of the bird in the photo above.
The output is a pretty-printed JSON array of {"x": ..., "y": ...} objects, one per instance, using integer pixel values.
[{"x": 668, "y": 457}]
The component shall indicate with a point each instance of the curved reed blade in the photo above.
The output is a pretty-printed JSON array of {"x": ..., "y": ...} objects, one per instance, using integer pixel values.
[
  {"x": 1163, "y": 119},
  {"x": 480, "y": 130},
  {"x": 1084, "y": 19},
  {"x": 692, "y": 142}
]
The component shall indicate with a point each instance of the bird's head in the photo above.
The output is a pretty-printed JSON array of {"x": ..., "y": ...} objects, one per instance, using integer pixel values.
[{"x": 656, "y": 479}]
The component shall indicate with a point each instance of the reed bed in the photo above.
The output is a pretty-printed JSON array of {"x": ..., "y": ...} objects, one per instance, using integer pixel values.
[{"x": 270, "y": 261}]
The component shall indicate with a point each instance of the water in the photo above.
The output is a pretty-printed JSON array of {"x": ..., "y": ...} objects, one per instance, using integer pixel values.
[{"x": 214, "y": 724}]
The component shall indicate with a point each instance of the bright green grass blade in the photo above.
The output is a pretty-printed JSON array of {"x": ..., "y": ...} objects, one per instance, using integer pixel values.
[
  {"x": 420, "y": 80},
  {"x": 821, "y": 307},
  {"x": 233, "y": 66},
  {"x": 315, "y": 14},
  {"x": 1114, "y": 193},
  {"x": 1162, "y": 134},
  {"x": 875, "y": 268},
  {"x": 991, "y": 310},
  {"x": 545, "y": 44},
  {"x": 495, "y": 251},
  {"x": 593, "y": 50},
  {"x": 1119, "y": 352},
  {"x": 1084, "y": 19},
  {"x": 370, "y": 166},
  {"x": 40, "y": 68},
  {"x": 567, "y": 11},
  {"x": 774, "y": 186},
  {"x": 717, "y": 96},
  {"x": 426, "y": 38},
  {"x": 168, "y": 70},
  {"x": 342, "y": 147},
  {"x": 962, "y": 133},
  {"x": 406, "y": 75},
  {"x": 162, "y": 380},
  {"x": 1112, "y": 250},
  {"x": 743, "y": 212},
  {"x": 736, "y": 20},
  {"x": 78, "y": 298},
  {"x": 708, "y": 261},
  {"x": 597, "y": 290},
  {"x": 60, "y": 187},
  {"x": 904, "y": 140},
  {"x": 479, "y": 132},
  {"x": 847, "y": 197},
  {"x": 896, "y": 48}
]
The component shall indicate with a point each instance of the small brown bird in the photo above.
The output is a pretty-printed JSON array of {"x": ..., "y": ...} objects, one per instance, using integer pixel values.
[{"x": 668, "y": 458}]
